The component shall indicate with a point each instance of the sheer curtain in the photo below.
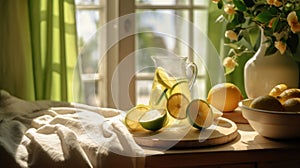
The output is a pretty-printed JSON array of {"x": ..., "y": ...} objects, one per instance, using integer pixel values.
[{"x": 38, "y": 48}]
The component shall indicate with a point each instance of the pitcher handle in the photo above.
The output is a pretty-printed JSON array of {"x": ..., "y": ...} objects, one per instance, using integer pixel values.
[{"x": 194, "y": 70}]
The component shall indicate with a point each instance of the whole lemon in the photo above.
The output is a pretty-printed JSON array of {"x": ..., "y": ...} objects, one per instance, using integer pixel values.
[
  {"x": 224, "y": 96},
  {"x": 292, "y": 105},
  {"x": 266, "y": 102},
  {"x": 289, "y": 93},
  {"x": 278, "y": 89}
]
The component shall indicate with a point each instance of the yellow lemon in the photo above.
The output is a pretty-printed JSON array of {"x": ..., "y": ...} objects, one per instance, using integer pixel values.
[
  {"x": 278, "y": 89},
  {"x": 266, "y": 102},
  {"x": 224, "y": 96},
  {"x": 292, "y": 105},
  {"x": 289, "y": 93}
]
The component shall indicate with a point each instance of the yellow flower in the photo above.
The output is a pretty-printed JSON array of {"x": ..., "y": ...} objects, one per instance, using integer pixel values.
[
  {"x": 293, "y": 22},
  {"x": 231, "y": 35},
  {"x": 280, "y": 46},
  {"x": 292, "y": 18},
  {"x": 229, "y": 63},
  {"x": 229, "y": 9},
  {"x": 215, "y": 1},
  {"x": 276, "y": 3},
  {"x": 296, "y": 28},
  {"x": 270, "y": 2}
]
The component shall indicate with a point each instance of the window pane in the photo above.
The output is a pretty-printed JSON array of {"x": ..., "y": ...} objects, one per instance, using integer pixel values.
[
  {"x": 200, "y": 17},
  {"x": 143, "y": 91},
  {"x": 201, "y": 2},
  {"x": 200, "y": 21},
  {"x": 155, "y": 38},
  {"x": 87, "y": 25},
  {"x": 164, "y": 2},
  {"x": 87, "y": 2}
]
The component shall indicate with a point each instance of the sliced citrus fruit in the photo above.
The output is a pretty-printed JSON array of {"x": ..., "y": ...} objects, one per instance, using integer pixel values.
[
  {"x": 133, "y": 116},
  {"x": 200, "y": 114},
  {"x": 163, "y": 78},
  {"x": 180, "y": 87},
  {"x": 154, "y": 119},
  {"x": 177, "y": 104}
]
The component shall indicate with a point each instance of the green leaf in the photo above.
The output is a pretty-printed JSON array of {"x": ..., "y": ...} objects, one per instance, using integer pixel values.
[
  {"x": 231, "y": 25},
  {"x": 275, "y": 24},
  {"x": 220, "y": 4},
  {"x": 231, "y": 45},
  {"x": 240, "y": 5},
  {"x": 270, "y": 50},
  {"x": 246, "y": 36},
  {"x": 229, "y": 71},
  {"x": 274, "y": 11},
  {"x": 264, "y": 17},
  {"x": 298, "y": 13},
  {"x": 238, "y": 18},
  {"x": 249, "y": 3}
]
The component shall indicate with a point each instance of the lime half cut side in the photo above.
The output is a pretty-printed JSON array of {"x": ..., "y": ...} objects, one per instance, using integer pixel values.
[
  {"x": 133, "y": 116},
  {"x": 200, "y": 114},
  {"x": 154, "y": 119}
]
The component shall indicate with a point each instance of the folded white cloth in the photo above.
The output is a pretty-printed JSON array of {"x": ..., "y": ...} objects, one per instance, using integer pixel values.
[{"x": 59, "y": 134}]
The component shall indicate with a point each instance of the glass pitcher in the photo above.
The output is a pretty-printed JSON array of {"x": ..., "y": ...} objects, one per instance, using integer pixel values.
[{"x": 171, "y": 76}]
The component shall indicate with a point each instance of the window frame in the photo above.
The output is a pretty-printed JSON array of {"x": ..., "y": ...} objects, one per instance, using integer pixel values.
[{"x": 113, "y": 9}]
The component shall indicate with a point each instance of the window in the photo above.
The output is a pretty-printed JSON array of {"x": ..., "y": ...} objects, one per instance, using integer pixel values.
[
  {"x": 92, "y": 14},
  {"x": 195, "y": 14}
]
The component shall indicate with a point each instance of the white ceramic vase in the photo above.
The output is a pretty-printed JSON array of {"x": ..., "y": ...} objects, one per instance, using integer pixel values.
[{"x": 262, "y": 73}]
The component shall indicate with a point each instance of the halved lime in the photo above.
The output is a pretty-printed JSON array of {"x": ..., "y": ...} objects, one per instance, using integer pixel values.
[
  {"x": 200, "y": 114},
  {"x": 154, "y": 119},
  {"x": 177, "y": 104},
  {"x": 163, "y": 78},
  {"x": 133, "y": 116}
]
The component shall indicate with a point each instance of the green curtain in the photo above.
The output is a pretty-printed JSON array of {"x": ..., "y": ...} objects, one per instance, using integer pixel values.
[{"x": 38, "y": 48}]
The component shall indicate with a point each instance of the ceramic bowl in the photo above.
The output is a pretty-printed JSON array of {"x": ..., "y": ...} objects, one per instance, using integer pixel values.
[{"x": 272, "y": 124}]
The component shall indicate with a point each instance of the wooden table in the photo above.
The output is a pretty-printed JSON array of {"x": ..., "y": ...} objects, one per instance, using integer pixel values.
[{"x": 248, "y": 150}]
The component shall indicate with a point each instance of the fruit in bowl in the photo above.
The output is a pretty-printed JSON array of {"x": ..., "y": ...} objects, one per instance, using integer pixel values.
[{"x": 272, "y": 117}]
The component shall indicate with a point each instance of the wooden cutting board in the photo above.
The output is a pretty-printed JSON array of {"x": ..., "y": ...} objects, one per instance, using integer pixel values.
[{"x": 185, "y": 136}]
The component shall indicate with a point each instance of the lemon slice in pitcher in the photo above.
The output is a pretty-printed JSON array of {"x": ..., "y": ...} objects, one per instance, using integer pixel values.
[
  {"x": 180, "y": 87},
  {"x": 163, "y": 78},
  {"x": 133, "y": 116},
  {"x": 177, "y": 105},
  {"x": 154, "y": 119}
]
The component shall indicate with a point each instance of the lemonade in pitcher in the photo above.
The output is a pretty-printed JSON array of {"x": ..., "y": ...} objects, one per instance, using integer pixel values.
[
  {"x": 169, "y": 97},
  {"x": 165, "y": 85}
]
